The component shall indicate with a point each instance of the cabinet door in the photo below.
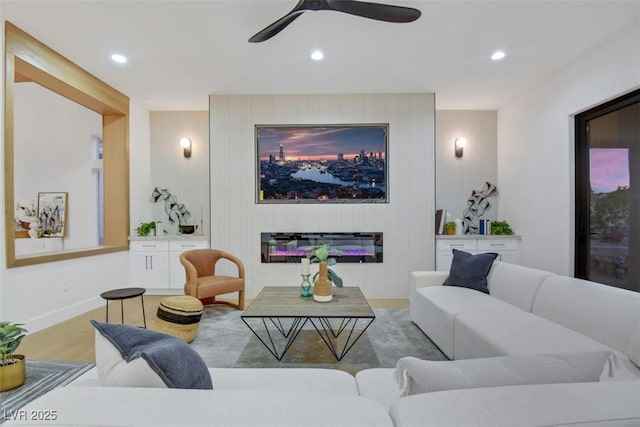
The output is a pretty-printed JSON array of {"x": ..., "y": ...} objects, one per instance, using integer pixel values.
[
  {"x": 149, "y": 269},
  {"x": 176, "y": 270},
  {"x": 138, "y": 266},
  {"x": 158, "y": 271},
  {"x": 149, "y": 263}
]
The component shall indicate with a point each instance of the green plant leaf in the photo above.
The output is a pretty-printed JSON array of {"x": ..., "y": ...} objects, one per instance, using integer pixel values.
[
  {"x": 322, "y": 252},
  {"x": 334, "y": 278}
]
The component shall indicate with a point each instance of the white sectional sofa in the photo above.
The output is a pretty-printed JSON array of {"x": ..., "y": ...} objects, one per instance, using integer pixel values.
[{"x": 528, "y": 312}]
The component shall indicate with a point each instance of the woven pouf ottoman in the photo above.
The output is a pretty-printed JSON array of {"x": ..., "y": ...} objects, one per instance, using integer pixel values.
[{"x": 179, "y": 316}]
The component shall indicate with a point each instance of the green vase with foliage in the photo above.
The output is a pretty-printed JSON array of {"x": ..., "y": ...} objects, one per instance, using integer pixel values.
[{"x": 321, "y": 253}]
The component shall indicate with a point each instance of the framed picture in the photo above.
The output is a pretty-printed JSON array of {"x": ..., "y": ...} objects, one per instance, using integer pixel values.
[
  {"x": 52, "y": 213},
  {"x": 345, "y": 163}
]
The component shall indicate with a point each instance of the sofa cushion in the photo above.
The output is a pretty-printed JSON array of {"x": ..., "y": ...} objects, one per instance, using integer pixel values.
[
  {"x": 424, "y": 376},
  {"x": 512, "y": 333},
  {"x": 285, "y": 379},
  {"x": 519, "y": 333},
  {"x": 379, "y": 384},
  {"x": 470, "y": 271},
  {"x": 515, "y": 284},
  {"x": 604, "y": 313},
  {"x": 596, "y": 403},
  {"x": 169, "y": 358},
  {"x": 158, "y": 407},
  {"x": 434, "y": 310}
]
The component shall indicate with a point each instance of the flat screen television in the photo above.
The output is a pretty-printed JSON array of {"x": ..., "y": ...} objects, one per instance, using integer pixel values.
[{"x": 341, "y": 163}]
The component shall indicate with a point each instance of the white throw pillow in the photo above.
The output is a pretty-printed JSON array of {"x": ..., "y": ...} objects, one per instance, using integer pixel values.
[
  {"x": 134, "y": 357},
  {"x": 114, "y": 371},
  {"x": 423, "y": 376}
]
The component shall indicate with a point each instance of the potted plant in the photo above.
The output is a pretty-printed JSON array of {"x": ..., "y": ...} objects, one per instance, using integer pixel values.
[
  {"x": 12, "y": 366},
  {"x": 322, "y": 291},
  {"x": 501, "y": 228},
  {"x": 450, "y": 228},
  {"x": 144, "y": 229},
  {"x": 320, "y": 255}
]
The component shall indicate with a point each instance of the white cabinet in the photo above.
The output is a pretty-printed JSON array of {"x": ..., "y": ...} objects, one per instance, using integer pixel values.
[
  {"x": 507, "y": 248},
  {"x": 176, "y": 270},
  {"x": 155, "y": 263},
  {"x": 149, "y": 264}
]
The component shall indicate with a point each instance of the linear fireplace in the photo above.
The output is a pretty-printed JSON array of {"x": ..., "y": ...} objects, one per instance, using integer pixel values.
[{"x": 291, "y": 247}]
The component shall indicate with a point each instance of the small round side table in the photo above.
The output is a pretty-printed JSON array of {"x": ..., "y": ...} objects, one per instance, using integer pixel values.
[{"x": 122, "y": 294}]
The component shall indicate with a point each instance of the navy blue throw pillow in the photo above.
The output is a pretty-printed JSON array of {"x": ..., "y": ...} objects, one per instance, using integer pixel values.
[{"x": 470, "y": 271}]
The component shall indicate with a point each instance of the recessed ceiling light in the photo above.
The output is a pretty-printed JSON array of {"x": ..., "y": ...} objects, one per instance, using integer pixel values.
[
  {"x": 119, "y": 58},
  {"x": 317, "y": 55},
  {"x": 498, "y": 55}
]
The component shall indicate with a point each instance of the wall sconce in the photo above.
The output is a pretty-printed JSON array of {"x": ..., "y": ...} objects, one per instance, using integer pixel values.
[
  {"x": 460, "y": 144},
  {"x": 185, "y": 143}
]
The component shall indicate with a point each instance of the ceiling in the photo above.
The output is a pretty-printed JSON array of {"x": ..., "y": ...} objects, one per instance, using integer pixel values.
[{"x": 181, "y": 51}]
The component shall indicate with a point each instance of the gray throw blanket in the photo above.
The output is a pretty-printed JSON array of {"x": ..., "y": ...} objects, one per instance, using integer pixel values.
[{"x": 177, "y": 364}]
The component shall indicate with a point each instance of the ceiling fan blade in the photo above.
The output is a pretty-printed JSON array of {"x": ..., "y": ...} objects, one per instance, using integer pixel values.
[
  {"x": 380, "y": 12},
  {"x": 276, "y": 27}
]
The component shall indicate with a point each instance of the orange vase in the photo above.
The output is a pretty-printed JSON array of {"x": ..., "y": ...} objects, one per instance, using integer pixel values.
[{"x": 322, "y": 291}]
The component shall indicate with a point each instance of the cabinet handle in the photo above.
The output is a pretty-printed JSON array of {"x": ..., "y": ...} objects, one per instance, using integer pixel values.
[
  {"x": 192, "y": 245},
  {"x": 460, "y": 245},
  {"x": 151, "y": 261},
  {"x": 495, "y": 245},
  {"x": 149, "y": 246},
  {"x": 146, "y": 262}
]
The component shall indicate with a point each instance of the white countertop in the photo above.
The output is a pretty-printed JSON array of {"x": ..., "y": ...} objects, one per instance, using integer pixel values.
[{"x": 169, "y": 237}]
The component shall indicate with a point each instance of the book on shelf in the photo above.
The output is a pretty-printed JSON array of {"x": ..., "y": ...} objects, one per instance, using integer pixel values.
[{"x": 440, "y": 219}]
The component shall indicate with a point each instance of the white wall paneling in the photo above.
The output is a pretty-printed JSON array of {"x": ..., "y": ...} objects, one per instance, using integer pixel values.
[
  {"x": 185, "y": 178},
  {"x": 457, "y": 177},
  {"x": 406, "y": 221}
]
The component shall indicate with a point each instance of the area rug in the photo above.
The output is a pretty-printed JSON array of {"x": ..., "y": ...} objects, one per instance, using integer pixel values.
[
  {"x": 42, "y": 376},
  {"x": 224, "y": 341}
]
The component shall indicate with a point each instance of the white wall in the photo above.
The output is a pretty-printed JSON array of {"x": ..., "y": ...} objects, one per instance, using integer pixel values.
[
  {"x": 407, "y": 221},
  {"x": 185, "y": 178},
  {"x": 53, "y": 142},
  {"x": 535, "y": 147},
  {"x": 457, "y": 177}
]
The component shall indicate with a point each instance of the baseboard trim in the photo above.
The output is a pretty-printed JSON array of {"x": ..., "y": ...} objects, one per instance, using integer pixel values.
[{"x": 49, "y": 319}]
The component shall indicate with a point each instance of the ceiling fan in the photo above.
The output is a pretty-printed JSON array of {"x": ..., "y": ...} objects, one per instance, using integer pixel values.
[{"x": 377, "y": 11}]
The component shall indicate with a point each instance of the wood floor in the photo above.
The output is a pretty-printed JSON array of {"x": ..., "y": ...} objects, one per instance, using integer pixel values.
[{"x": 72, "y": 340}]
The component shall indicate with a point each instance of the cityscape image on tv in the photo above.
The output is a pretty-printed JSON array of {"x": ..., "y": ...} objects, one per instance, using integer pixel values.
[{"x": 331, "y": 163}]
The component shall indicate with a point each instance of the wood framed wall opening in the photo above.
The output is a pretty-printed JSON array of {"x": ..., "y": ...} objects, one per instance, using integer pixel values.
[{"x": 29, "y": 60}]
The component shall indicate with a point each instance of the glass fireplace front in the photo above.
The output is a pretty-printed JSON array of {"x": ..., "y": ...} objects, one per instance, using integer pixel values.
[{"x": 291, "y": 247}]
